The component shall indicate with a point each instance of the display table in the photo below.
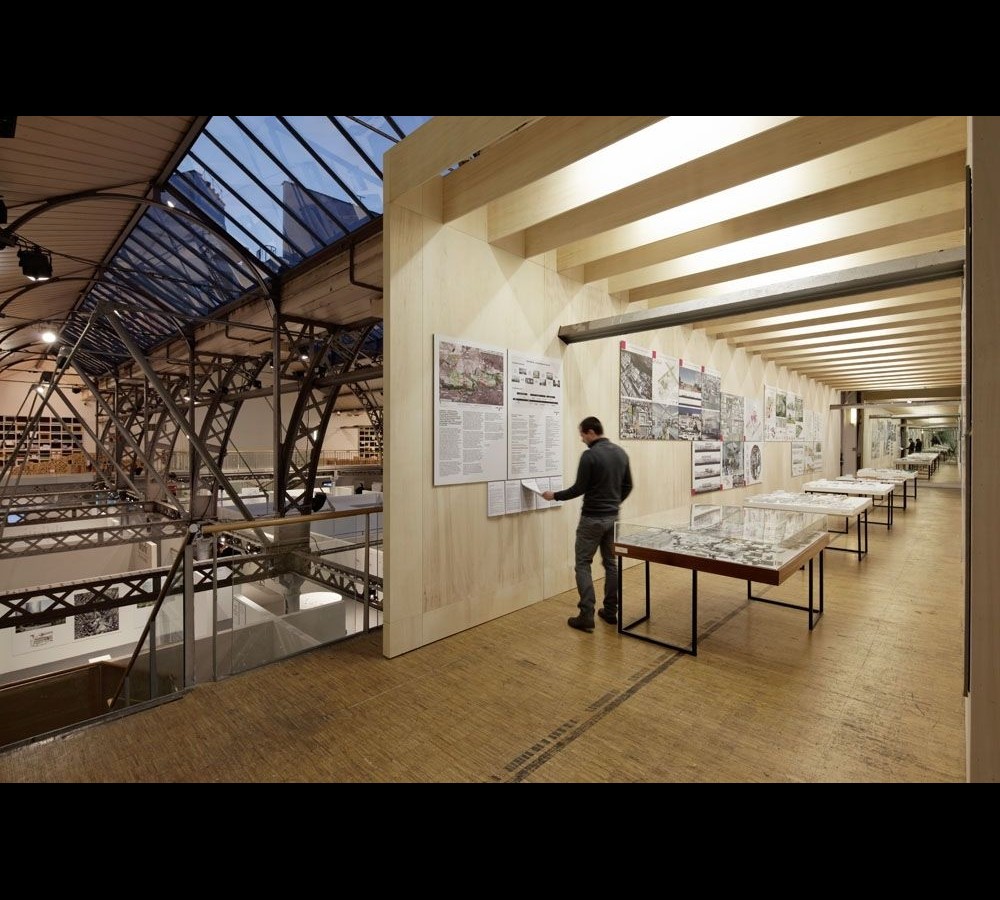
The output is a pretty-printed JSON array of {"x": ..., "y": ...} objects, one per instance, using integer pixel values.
[
  {"x": 925, "y": 462},
  {"x": 762, "y": 545},
  {"x": 894, "y": 476},
  {"x": 822, "y": 505},
  {"x": 857, "y": 487}
]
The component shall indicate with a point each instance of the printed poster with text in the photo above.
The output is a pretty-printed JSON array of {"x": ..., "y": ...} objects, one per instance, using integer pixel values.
[
  {"x": 470, "y": 412},
  {"x": 534, "y": 416}
]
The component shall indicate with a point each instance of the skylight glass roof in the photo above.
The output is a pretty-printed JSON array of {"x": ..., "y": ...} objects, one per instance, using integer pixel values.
[{"x": 281, "y": 187}]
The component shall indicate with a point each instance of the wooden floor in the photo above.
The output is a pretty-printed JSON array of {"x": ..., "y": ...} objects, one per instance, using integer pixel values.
[{"x": 872, "y": 694}]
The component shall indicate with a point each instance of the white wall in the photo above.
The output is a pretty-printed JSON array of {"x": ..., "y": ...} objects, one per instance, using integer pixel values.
[
  {"x": 55, "y": 568},
  {"x": 253, "y": 430},
  {"x": 45, "y": 644},
  {"x": 19, "y": 397}
]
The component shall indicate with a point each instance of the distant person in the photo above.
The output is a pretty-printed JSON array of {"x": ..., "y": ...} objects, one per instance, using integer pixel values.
[
  {"x": 909, "y": 449},
  {"x": 935, "y": 440},
  {"x": 318, "y": 501},
  {"x": 919, "y": 445},
  {"x": 359, "y": 488},
  {"x": 604, "y": 478}
]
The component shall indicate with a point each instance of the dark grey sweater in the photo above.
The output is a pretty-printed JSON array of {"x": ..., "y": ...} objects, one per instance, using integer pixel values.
[{"x": 604, "y": 478}]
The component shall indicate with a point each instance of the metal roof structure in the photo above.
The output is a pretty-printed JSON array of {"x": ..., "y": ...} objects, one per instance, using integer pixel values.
[{"x": 171, "y": 219}]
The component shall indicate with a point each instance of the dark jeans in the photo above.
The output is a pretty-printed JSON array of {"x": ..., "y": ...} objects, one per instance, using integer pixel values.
[{"x": 592, "y": 534}]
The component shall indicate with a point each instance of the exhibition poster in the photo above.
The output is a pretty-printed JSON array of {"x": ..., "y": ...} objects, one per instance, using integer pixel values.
[
  {"x": 470, "y": 412},
  {"x": 534, "y": 416}
]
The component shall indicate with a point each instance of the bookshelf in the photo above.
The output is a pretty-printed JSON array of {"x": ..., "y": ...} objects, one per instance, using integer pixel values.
[
  {"x": 55, "y": 437},
  {"x": 369, "y": 443}
]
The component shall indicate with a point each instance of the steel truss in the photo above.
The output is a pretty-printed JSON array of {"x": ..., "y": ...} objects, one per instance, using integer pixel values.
[
  {"x": 128, "y": 589},
  {"x": 224, "y": 380},
  {"x": 122, "y": 434},
  {"x": 143, "y": 417},
  {"x": 312, "y": 351},
  {"x": 342, "y": 579},
  {"x": 89, "y": 538},
  {"x": 48, "y": 494},
  {"x": 32, "y": 515},
  {"x": 112, "y": 313}
]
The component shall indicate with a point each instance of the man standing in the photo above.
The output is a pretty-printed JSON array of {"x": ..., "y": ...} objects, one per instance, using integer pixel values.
[{"x": 604, "y": 478}]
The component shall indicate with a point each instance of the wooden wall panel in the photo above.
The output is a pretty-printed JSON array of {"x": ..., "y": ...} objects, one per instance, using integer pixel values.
[
  {"x": 449, "y": 565},
  {"x": 407, "y": 431},
  {"x": 984, "y": 429}
]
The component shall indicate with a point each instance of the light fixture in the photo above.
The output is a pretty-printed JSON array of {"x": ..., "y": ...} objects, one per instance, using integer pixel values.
[
  {"x": 43, "y": 383},
  {"x": 49, "y": 336},
  {"x": 36, "y": 264}
]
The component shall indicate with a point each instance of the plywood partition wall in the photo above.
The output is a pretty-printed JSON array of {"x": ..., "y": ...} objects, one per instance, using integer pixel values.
[
  {"x": 448, "y": 565},
  {"x": 983, "y": 410}
]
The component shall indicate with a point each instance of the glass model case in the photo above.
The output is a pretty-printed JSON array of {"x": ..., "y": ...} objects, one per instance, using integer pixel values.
[{"x": 761, "y": 538}]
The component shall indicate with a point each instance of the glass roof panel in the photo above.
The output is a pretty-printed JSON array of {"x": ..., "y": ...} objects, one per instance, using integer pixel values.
[
  {"x": 280, "y": 187},
  {"x": 246, "y": 181},
  {"x": 337, "y": 195},
  {"x": 358, "y": 168}
]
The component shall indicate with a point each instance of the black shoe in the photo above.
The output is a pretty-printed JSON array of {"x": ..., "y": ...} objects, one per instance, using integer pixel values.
[
  {"x": 581, "y": 623},
  {"x": 610, "y": 617}
]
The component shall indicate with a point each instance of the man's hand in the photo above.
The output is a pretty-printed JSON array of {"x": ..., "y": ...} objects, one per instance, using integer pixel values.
[{"x": 549, "y": 495}]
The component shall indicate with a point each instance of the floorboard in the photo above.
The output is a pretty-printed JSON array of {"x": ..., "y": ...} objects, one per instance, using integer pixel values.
[{"x": 872, "y": 694}]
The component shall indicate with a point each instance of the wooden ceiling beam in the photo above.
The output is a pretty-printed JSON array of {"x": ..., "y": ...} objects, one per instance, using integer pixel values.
[
  {"x": 439, "y": 144},
  {"x": 883, "y": 188},
  {"x": 906, "y": 239},
  {"x": 803, "y": 139},
  {"x": 532, "y": 153}
]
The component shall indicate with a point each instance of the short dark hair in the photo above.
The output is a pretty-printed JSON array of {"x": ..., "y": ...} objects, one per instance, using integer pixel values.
[{"x": 591, "y": 423}]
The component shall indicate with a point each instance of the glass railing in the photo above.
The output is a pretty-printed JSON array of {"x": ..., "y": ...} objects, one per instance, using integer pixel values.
[
  {"x": 227, "y": 604},
  {"x": 324, "y": 595},
  {"x": 158, "y": 669}
]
